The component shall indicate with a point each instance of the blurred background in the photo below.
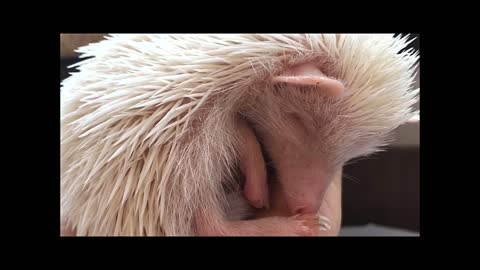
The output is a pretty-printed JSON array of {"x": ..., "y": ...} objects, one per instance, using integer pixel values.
[{"x": 381, "y": 193}]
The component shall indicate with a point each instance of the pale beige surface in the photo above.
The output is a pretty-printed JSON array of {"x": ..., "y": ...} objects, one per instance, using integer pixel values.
[
  {"x": 407, "y": 135},
  {"x": 376, "y": 230}
]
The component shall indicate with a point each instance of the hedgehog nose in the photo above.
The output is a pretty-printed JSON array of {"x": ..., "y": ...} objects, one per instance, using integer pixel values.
[
  {"x": 306, "y": 203},
  {"x": 304, "y": 188}
]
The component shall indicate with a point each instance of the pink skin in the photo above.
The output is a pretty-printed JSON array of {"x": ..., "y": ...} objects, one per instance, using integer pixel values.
[
  {"x": 307, "y": 187},
  {"x": 330, "y": 206},
  {"x": 303, "y": 193},
  {"x": 252, "y": 166},
  {"x": 303, "y": 174},
  {"x": 256, "y": 191}
]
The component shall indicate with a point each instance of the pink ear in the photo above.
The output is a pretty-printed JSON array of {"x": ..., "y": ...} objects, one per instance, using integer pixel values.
[{"x": 309, "y": 74}]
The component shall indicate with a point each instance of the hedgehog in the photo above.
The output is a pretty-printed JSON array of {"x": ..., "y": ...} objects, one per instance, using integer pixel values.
[{"x": 154, "y": 127}]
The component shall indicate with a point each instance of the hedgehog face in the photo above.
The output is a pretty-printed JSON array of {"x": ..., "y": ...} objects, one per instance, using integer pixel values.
[
  {"x": 293, "y": 120},
  {"x": 305, "y": 122}
]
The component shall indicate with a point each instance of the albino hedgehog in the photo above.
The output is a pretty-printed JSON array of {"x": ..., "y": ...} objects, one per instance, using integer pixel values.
[{"x": 154, "y": 127}]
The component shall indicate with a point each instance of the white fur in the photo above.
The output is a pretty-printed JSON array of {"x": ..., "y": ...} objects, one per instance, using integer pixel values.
[{"x": 148, "y": 124}]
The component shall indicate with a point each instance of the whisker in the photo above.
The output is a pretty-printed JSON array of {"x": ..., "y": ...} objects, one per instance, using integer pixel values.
[{"x": 351, "y": 177}]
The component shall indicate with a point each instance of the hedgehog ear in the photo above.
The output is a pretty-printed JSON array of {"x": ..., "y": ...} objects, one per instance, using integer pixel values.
[{"x": 309, "y": 75}]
